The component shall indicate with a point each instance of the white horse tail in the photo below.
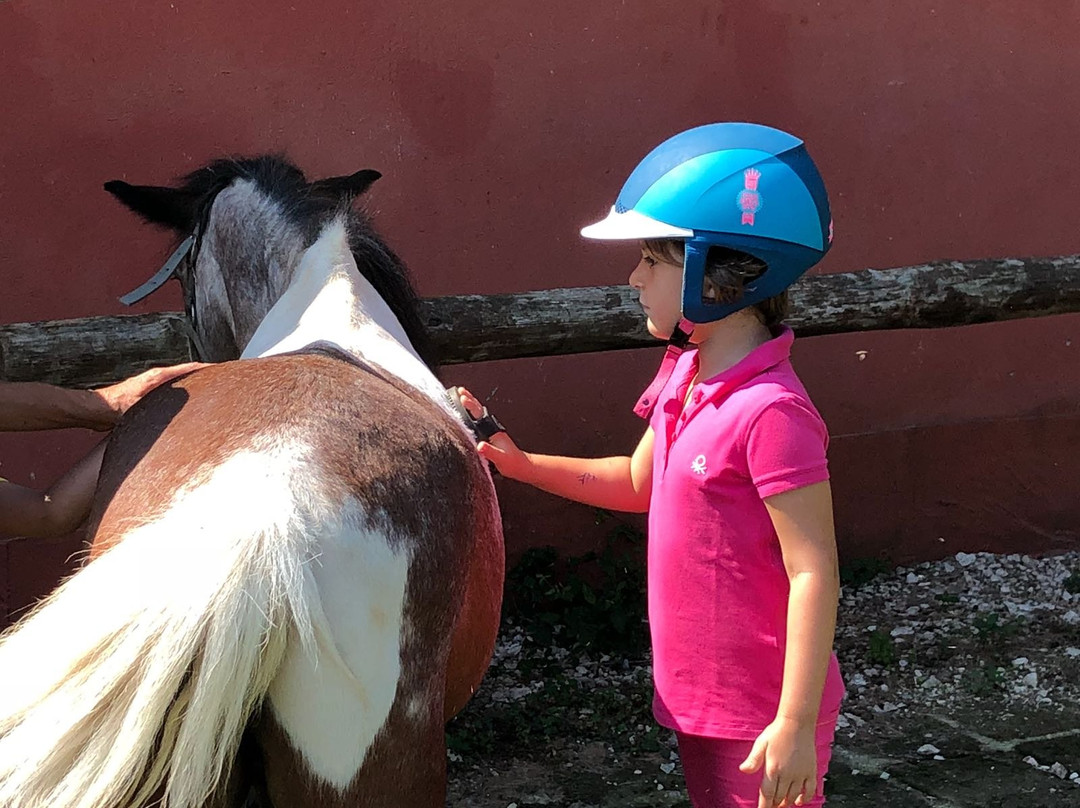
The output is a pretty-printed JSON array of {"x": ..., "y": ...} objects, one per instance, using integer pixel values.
[{"x": 141, "y": 671}]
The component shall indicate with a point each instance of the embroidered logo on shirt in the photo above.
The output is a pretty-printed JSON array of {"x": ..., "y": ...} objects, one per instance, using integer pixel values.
[{"x": 698, "y": 466}]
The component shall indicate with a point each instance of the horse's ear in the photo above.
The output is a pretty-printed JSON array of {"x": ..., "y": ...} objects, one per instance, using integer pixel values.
[
  {"x": 170, "y": 207},
  {"x": 348, "y": 187}
]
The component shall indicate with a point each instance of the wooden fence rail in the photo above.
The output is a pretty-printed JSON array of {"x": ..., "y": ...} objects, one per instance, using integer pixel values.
[{"x": 474, "y": 328}]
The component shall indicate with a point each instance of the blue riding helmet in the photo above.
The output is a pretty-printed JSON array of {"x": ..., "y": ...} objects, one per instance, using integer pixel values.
[{"x": 738, "y": 185}]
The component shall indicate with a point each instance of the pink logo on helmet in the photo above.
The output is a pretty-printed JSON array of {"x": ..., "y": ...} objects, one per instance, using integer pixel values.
[{"x": 749, "y": 199}]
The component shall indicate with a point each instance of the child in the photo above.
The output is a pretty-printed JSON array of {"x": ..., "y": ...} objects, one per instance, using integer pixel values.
[{"x": 742, "y": 570}]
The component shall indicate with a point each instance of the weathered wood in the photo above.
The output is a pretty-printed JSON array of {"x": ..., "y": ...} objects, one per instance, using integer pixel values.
[
  {"x": 93, "y": 350},
  {"x": 476, "y": 328}
]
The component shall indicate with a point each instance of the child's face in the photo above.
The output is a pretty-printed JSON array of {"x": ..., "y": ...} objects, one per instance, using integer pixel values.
[{"x": 659, "y": 284}]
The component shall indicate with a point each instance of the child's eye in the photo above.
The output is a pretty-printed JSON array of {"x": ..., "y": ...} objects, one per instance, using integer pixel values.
[{"x": 649, "y": 260}]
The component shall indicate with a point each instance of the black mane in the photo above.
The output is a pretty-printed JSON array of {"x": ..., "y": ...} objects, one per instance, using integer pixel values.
[{"x": 309, "y": 206}]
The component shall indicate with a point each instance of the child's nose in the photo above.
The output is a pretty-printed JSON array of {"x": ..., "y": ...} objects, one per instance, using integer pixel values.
[{"x": 637, "y": 275}]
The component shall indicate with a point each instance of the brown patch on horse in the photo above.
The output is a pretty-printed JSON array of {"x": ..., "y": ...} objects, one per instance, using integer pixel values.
[{"x": 478, "y": 625}]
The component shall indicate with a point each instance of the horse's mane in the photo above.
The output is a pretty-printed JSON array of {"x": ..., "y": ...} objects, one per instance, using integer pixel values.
[{"x": 309, "y": 208}]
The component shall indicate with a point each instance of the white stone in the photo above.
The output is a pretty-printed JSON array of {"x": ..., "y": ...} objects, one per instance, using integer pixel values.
[
  {"x": 1059, "y": 771},
  {"x": 966, "y": 559},
  {"x": 885, "y": 775},
  {"x": 902, "y": 631},
  {"x": 938, "y": 757},
  {"x": 928, "y": 749},
  {"x": 667, "y": 768},
  {"x": 1020, "y": 661},
  {"x": 1032, "y": 679}
]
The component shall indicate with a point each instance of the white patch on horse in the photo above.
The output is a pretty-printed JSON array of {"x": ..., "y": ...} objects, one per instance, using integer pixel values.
[
  {"x": 333, "y": 699},
  {"x": 329, "y": 300}
]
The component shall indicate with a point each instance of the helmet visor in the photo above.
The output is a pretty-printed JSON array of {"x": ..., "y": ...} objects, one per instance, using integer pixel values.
[{"x": 632, "y": 226}]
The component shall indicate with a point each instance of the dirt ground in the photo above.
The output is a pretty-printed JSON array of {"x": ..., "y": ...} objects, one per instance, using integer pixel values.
[
  {"x": 959, "y": 694},
  {"x": 984, "y": 765}
]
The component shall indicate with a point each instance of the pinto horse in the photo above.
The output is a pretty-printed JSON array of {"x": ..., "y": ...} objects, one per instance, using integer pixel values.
[{"x": 297, "y": 558}]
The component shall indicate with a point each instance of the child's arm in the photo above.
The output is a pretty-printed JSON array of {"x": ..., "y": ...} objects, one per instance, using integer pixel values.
[
  {"x": 803, "y": 519},
  {"x": 804, "y": 524},
  {"x": 614, "y": 483},
  {"x": 60, "y": 510}
]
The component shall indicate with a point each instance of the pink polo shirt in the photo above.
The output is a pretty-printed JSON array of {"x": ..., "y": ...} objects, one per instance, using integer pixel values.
[{"x": 718, "y": 591}]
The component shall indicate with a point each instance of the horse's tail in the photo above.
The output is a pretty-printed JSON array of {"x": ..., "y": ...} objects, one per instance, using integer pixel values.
[{"x": 141, "y": 671}]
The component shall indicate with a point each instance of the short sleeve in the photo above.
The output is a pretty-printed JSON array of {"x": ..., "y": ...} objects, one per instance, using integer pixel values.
[{"x": 785, "y": 448}]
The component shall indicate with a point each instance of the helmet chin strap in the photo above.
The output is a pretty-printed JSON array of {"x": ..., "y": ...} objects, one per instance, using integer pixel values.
[{"x": 676, "y": 344}]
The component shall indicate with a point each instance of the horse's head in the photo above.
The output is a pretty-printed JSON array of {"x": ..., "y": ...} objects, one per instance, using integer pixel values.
[{"x": 252, "y": 220}]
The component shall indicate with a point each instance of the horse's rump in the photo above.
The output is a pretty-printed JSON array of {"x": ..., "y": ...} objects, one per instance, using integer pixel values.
[{"x": 368, "y": 503}]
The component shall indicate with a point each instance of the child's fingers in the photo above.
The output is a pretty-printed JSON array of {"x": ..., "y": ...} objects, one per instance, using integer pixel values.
[
  {"x": 806, "y": 792},
  {"x": 768, "y": 791},
  {"x": 490, "y": 451},
  {"x": 788, "y": 792},
  {"x": 755, "y": 759},
  {"x": 470, "y": 402}
]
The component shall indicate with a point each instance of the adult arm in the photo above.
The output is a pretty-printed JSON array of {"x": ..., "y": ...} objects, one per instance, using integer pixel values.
[
  {"x": 60, "y": 510},
  {"x": 26, "y": 406}
]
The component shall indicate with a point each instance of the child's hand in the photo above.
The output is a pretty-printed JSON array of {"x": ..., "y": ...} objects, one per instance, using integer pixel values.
[
  {"x": 500, "y": 449},
  {"x": 786, "y": 750}
]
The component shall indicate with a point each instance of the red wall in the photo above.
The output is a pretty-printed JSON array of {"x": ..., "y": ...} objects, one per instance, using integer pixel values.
[{"x": 943, "y": 131}]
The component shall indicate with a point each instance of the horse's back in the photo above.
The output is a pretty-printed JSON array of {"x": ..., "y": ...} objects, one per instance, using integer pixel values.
[{"x": 402, "y": 521}]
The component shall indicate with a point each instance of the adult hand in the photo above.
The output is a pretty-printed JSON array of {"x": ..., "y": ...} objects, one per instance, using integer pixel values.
[
  {"x": 499, "y": 449},
  {"x": 785, "y": 749},
  {"x": 119, "y": 397}
]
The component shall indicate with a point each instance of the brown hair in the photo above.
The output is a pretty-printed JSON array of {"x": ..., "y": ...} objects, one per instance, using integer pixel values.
[{"x": 727, "y": 272}]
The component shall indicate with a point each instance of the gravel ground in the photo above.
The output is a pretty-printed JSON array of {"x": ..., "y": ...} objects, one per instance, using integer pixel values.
[{"x": 970, "y": 664}]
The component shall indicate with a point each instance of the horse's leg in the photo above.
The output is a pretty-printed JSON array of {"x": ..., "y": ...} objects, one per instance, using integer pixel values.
[{"x": 404, "y": 768}]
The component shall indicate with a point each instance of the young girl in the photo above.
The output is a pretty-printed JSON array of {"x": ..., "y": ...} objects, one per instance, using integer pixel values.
[{"x": 742, "y": 569}]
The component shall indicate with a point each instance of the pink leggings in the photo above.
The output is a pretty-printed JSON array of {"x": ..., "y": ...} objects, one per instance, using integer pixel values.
[{"x": 713, "y": 779}]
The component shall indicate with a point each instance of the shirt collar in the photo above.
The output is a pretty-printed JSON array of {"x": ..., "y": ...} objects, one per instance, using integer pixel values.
[{"x": 765, "y": 356}]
